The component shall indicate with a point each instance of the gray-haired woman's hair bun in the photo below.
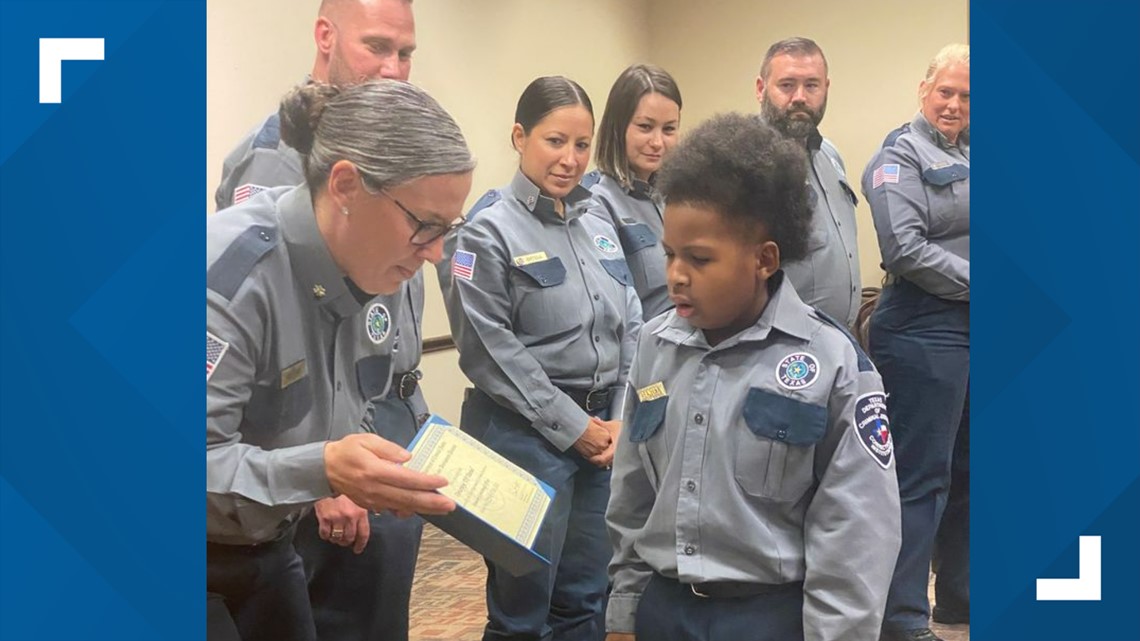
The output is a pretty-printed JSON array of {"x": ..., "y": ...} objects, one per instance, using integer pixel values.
[
  {"x": 392, "y": 131},
  {"x": 300, "y": 114}
]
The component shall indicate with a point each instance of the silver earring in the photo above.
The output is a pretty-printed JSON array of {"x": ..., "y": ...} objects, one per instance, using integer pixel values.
[{"x": 344, "y": 210}]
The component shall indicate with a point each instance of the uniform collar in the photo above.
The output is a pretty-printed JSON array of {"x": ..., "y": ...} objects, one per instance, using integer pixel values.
[
  {"x": 921, "y": 125},
  {"x": 541, "y": 206},
  {"x": 785, "y": 312},
  {"x": 814, "y": 140},
  {"x": 313, "y": 265},
  {"x": 641, "y": 189}
]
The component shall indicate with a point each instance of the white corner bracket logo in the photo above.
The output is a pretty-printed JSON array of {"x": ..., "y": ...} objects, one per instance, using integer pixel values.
[
  {"x": 1086, "y": 587},
  {"x": 53, "y": 51}
]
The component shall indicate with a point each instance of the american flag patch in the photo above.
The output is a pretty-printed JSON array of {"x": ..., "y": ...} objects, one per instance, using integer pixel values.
[
  {"x": 247, "y": 191},
  {"x": 215, "y": 350},
  {"x": 884, "y": 174},
  {"x": 463, "y": 265}
]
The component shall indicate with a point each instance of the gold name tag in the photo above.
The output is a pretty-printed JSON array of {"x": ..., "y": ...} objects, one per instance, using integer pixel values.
[
  {"x": 529, "y": 258},
  {"x": 652, "y": 392},
  {"x": 293, "y": 373}
]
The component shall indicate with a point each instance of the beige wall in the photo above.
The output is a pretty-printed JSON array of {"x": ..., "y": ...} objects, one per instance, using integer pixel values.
[
  {"x": 476, "y": 56},
  {"x": 877, "y": 53}
]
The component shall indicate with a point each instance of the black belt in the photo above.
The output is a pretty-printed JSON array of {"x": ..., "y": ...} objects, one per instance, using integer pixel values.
[
  {"x": 404, "y": 385},
  {"x": 737, "y": 590},
  {"x": 591, "y": 400}
]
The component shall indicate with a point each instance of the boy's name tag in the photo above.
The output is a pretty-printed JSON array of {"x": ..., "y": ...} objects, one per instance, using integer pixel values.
[{"x": 652, "y": 392}]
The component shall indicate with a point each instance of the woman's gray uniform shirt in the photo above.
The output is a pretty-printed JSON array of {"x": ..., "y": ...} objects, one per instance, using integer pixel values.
[
  {"x": 636, "y": 214},
  {"x": 538, "y": 302},
  {"x": 918, "y": 186},
  {"x": 765, "y": 459},
  {"x": 293, "y": 356}
]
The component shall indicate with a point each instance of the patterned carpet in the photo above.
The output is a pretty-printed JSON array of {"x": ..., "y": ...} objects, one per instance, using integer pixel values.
[{"x": 448, "y": 599}]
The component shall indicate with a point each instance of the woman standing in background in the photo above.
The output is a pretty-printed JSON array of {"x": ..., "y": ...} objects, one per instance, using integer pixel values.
[
  {"x": 639, "y": 127},
  {"x": 545, "y": 316},
  {"x": 918, "y": 186}
]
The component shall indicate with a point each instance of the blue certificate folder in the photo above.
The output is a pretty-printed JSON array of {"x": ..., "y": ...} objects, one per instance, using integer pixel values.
[{"x": 467, "y": 523}]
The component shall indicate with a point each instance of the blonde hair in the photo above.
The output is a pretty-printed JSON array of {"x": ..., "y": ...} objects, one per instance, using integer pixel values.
[{"x": 952, "y": 54}]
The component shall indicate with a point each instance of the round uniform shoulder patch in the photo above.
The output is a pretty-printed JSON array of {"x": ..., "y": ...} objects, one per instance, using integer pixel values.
[
  {"x": 797, "y": 371},
  {"x": 874, "y": 428},
  {"x": 379, "y": 323},
  {"x": 605, "y": 244}
]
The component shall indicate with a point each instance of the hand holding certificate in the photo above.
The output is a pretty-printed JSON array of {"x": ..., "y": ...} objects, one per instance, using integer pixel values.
[{"x": 501, "y": 505}]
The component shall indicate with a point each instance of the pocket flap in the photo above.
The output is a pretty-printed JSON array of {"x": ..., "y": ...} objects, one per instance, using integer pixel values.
[
  {"x": 784, "y": 419},
  {"x": 545, "y": 273},
  {"x": 647, "y": 418},
  {"x": 850, "y": 192},
  {"x": 618, "y": 268},
  {"x": 373, "y": 374},
  {"x": 945, "y": 175},
  {"x": 636, "y": 237}
]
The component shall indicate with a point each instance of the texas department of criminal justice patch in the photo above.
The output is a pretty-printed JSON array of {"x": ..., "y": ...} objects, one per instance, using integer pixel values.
[
  {"x": 379, "y": 323},
  {"x": 605, "y": 244},
  {"x": 797, "y": 371},
  {"x": 874, "y": 428}
]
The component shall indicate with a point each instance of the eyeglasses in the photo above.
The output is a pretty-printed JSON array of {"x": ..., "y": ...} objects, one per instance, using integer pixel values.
[{"x": 426, "y": 232}]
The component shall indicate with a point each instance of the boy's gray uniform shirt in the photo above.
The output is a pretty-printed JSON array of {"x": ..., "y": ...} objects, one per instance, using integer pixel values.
[
  {"x": 923, "y": 219},
  {"x": 296, "y": 357},
  {"x": 636, "y": 214},
  {"x": 732, "y": 476},
  {"x": 550, "y": 303},
  {"x": 262, "y": 160}
]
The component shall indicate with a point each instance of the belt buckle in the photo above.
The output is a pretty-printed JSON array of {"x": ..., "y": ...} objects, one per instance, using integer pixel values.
[
  {"x": 408, "y": 383},
  {"x": 693, "y": 587},
  {"x": 590, "y": 407}
]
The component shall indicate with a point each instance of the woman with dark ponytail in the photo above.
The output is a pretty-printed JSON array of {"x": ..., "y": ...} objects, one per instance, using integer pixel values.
[
  {"x": 298, "y": 342},
  {"x": 545, "y": 315}
]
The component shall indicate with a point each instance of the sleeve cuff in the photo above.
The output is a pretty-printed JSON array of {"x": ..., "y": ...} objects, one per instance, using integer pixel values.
[
  {"x": 298, "y": 474},
  {"x": 563, "y": 423},
  {"x": 621, "y": 612}
]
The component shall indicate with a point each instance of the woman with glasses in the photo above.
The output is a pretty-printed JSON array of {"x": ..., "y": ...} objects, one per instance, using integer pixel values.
[
  {"x": 545, "y": 315},
  {"x": 298, "y": 341}
]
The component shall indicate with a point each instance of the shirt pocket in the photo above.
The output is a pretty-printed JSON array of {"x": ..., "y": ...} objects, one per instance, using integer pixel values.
[
  {"x": 849, "y": 192},
  {"x": 544, "y": 304},
  {"x": 273, "y": 410},
  {"x": 645, "y": 257},
  {"x": 775, "y": 455},
  {"x": 618, "y": 269},
  {"x": 648, "y": 417},
  {"x": 373, "y": 374},
  {"x": 948, "y": 196}
]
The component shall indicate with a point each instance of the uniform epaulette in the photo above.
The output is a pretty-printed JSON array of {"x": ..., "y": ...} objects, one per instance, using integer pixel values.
[
  {"x": 865, "y": 364},
  {"x": 231, "y": 269},
  {"x": 270, "y": 134},
  {"x": 591, "y": 179},
  {"x": 894, "y": 135},
  {"x": 486, "y": 200}
]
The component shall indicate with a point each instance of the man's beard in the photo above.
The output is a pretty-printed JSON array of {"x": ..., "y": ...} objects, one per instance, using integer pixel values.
[{"x": 782, "y": 120}]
